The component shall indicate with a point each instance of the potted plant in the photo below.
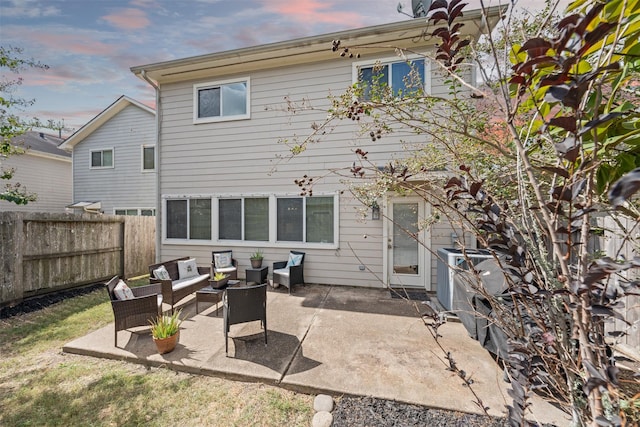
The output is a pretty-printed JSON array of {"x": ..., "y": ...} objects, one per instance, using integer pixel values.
[
  {"x": 256, "y": 259},
  {"x": 219, "y": 280},
  {"x": 165, "y": 331}
]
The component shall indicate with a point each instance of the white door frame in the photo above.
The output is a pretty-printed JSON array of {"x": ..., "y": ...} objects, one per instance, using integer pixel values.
[{"x": 423, "y": 279}]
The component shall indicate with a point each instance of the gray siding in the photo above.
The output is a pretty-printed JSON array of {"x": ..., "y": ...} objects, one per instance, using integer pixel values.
[
  {"x": 47, "y": 176},
  {"x": 124, "y": 185},
  {"x": 245, "y": 157}
]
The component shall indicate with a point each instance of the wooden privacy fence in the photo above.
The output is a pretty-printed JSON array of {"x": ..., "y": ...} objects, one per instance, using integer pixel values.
[
  {"x": 44, "y": 252},
  {"x": 617, "y": 246}
]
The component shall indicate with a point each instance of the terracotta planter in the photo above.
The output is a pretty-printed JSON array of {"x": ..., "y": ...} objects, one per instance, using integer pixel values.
[
  {"x": 256, "y": 263},
  {"x": 166, "y": 345}
]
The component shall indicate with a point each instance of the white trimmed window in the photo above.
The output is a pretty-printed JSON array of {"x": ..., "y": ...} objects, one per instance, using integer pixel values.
[
  {"x": 270, "y": 219},
  {"x": 188, "y": 219},
  {"x": 148, "y": 158},
  {"x": 403, "y": 77},
  {"x": 305, "y": 219},
  {"x": 221, "y": 101},
  {"x": 102, "y": 158},
  {"x": 252, "y": 223},
  {"x": 135, "y": 211}
]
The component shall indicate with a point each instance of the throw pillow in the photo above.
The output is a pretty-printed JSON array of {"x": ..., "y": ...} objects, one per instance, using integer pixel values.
[
  {"x": 161, "y": 273},
  {"x": 294, "y": 260},
  {"x": 187, "y": 268},
  {"x": 122, "y": 291},
  {"x": 222, "y": 260}
]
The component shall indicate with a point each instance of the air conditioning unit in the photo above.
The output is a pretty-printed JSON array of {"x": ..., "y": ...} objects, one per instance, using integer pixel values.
[{"x": 449, "y": 261}]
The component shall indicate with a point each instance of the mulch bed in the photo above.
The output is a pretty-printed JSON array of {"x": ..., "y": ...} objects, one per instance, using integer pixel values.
[{"x": 42, "y": 301}]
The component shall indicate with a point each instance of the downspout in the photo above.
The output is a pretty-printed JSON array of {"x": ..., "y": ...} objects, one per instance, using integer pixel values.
[{"x": 157, "y": 163}]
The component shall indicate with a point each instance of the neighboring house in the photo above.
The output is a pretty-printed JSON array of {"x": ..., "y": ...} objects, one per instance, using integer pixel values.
[
  {"x": 114, "y": 163},
  {"x": 222, "y": 182},
  {"x": 42, "y": 169}
]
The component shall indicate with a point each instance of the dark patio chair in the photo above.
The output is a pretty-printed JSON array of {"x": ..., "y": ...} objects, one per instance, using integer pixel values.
[
  {"x": 290, "y": 272},
  {"x": 146, "y": 305},
  {"x": 223, "y": 262},
  {"x": 244, "y": 304}
]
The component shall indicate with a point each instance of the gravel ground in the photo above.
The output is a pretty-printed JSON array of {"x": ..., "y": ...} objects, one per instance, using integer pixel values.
[{"x": 370, "y": 412}]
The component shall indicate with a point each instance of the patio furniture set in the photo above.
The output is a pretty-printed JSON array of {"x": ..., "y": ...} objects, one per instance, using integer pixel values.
[{"x": 173, "y": 280}]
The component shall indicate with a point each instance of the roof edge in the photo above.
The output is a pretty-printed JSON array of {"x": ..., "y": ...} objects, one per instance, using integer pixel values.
[
  {"x": 96, "y": 122},
  {"x": 305, "y": 42}
]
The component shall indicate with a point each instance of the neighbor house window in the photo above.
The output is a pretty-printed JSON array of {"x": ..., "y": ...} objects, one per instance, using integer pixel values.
[
  {"x": 403, "y": 77},
  {"x": 136, "y": 211},
  {"x": 308, "y": 219},
  {"x": 220, "y": 101},
  {"x": 102, "y": 158},
  {"x": 189, "y": 219},
  {"x": 244, "y": 219},
  {"x": 148, "y": 157}
]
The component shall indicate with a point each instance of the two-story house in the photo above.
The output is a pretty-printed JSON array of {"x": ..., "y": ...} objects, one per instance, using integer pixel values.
[
  {"x": 114, "y": 160},
  {"x": 42, "y": 169},
  {"x": 225, "y": 177}
]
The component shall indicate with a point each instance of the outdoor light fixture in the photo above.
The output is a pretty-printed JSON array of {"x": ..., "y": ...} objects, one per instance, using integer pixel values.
[{"x": 375, "y": 211}]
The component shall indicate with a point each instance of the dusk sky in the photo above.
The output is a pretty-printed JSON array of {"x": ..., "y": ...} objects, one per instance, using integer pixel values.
[{"x": 90, "y": 45}]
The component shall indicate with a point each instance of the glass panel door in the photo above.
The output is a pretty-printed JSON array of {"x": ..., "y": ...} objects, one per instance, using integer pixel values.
[
  {"x": 405, "y": 245},
  {"x": 407, "y": 266}
]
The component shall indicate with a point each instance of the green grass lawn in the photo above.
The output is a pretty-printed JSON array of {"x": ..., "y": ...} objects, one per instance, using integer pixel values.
[{"x": 40, "y": 385}]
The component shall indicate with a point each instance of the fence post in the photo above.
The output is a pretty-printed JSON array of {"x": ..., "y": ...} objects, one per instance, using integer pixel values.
[{"x": 12, "y": 238}]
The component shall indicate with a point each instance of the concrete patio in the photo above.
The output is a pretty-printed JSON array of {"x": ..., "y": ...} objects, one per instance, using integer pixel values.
[{"x": 334, "y": 340}]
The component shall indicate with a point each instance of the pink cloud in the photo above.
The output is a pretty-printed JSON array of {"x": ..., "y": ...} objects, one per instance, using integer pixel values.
[
  {"x": 73, "y": 44},
  {"x": 128, "y": 19},
  {"x": 313, "y": 11}
]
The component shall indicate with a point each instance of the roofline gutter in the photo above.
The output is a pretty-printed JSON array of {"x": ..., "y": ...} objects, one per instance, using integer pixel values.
[
  {"x": 310, "y": 44},
  {"x": 146, "y": 78}
]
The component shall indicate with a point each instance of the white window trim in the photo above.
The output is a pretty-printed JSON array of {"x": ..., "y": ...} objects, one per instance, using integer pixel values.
[
  {"x": 113, "y": 158},
  {"x": 138, "y": 209},
  {"x": 390, "y": 60},
  {"x": 155, "y": 159},
  {"x": 165, "y": 239},
  {"x": 207, "y": 85},
  {"x": 272, "y": 242}
]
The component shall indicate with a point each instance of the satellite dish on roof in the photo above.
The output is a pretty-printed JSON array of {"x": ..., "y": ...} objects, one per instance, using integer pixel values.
[{"x": 420, "y": 7}]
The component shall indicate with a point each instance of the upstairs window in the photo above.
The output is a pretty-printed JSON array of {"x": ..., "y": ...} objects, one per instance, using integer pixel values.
[
  {"x": 221, "y": 101},
  {"x": 148, "y": 158},
  {"x": 402, "y": 77},
  {"x": 102, "y": 158}
]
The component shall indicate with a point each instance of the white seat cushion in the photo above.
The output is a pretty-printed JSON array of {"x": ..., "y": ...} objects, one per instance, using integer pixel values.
[
  {"x": 183, "y": 283},
  {"x": 225, "y": 269},
  {"x": 282, "y": 272}
]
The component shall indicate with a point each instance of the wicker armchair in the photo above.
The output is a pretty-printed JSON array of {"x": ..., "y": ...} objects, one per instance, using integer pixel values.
[
  {"x": 128, "y": 313},
  {"x": 230, "y": 270},
  {"x": 289, "y": 275},
  {"x": 244, "y": 304}
]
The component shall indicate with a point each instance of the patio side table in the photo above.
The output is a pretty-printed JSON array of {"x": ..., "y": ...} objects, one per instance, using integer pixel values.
[
  {"x": 257, "y": 275},
  {"x": 209, "y": 294}
]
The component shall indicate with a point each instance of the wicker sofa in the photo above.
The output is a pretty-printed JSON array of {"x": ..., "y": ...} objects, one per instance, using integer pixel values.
[{"x": 175, "y": 289}]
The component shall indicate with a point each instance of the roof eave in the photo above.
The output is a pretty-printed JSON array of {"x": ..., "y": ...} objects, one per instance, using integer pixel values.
[
  {"x": 309, "y": 49},
  {"x": 95, "y": 123}
]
